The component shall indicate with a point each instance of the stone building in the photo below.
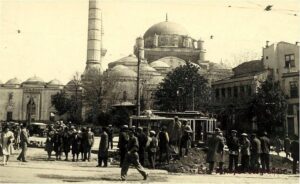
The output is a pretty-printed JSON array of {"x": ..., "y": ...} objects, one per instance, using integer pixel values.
[
  {"x": 26, "y": 100},
  {"x": 281, "y": 62}
]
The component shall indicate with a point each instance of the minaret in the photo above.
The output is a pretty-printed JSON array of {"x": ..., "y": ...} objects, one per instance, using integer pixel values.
[{"x": 94, "y": 44}]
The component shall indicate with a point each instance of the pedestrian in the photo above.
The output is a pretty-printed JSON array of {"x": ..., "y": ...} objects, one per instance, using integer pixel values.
[
  {"x": 277, "y": 145},
  {"x": 255, "y": 151},
  {"x": 287, "y": 145},
  {"x": 132, "y": 157},
  {"x": 66, "y": 141},
  {"x": 295, "y": 153},
  {"x": 58, "y": 143},
  {"x": 233, "y": 146},
  {"x": 76, "y": 144},
  {"x": 81, "y": 133},
  {"x": 142, "y": 138},
  {"x": 163, "y": 144},
  {"x": 152, "y": 149},
  {"x": 265, "y": 152},
  {"x": 215, "y": 147},
  {"x": 110, "y": 135},
  {"x": 24, "y": 141},
  {"x": 103, "y": 148},
  {"x": 17, "y": 133},
  {"x": 89, "y": 142},
  {"x": 122, "y": 144},
  {"x": 7, "y": 138},
  {"x": 49, "y": 146},
  {"x": 177, "y": 133},
  {"x": 185, "y": 141},
  {"x": 245, "y": 153}
]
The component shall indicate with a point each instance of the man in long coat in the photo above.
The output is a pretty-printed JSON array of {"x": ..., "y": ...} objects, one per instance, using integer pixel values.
[
  {"x": 265, "y": 152},
  {"x": 233, "y": 146},
  {"x": 255, "y": 150},
  {"x": 142, "y": 138},
  {"x": 215, "y": 148},
  {"x": 245, "y": 152},
  {"x": 103, "y": 148},
  {"x": 122, "y": 144},
  {"x": 24, "y": 141},
  {"x": 295, "y": 153}
]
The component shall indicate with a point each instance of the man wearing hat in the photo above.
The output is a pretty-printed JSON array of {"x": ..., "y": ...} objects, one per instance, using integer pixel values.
[
  {"x": 142, "y": 138},
  {"x": 132, "y": 157},
  {"x": 233, "y": 146},
  {"x": 245, "y": 152},
  {"x": 215, "y": 147},
  {"x": 152, "y": 149},
  {"x": 163, "y": 144},
  {"x": 103, "y": 148},
  {"x": 265, "y": 152},
  {"x": 122, "y": 144},
  {"x": 255, "y": 151},
  {"x": 177, "y": 132},
  {"x": 185, "y": 140},
  {"x": 110, "y": 132}
]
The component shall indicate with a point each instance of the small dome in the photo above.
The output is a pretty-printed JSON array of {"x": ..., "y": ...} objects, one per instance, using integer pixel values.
[
  {"x": 159, "y": 64},
  {"x": 54, "y": 82},
  {"x": 130, "y": 61},
  {"x": 172, "y": 61},
  {"x": 147, "y": 68},
  {"x": 34, "y": 80},
  {"x": 165, "y": 28},
  {"x": 122, "y": 71},
  {"x": 14, "y": 81},
  {"x": 156, "y": 80}
]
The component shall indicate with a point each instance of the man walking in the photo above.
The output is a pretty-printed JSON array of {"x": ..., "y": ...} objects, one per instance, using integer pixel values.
[
  {"x": 103, "y": 148},
  {"x": 110, "y": 132},
  {"x": 122, "y": 144},
  {"x": 233, "y": 146},
  {"x": 245, "y": 152},
  {"x": 295, "y": 153},
  {"x": 185, "y": 141},
  {"x": 163, "y": 144},
  {"x": 24, "y": 141},
  {"x": 287, "y": 145},
  {"x": 265, "y": 152},
  {"x": 90, "y": 143},
  {"x": 132, "y": 157},
  {"x": 152, "y": 149}
]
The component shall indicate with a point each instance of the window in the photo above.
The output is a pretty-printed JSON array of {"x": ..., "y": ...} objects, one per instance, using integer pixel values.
[
  {"x": 249, "y": 90},
  {"x": 223, "y": 92},
  {"x": 294, "y": 93},
  {"x": 289, "y": 60},
  {"x": 267, "y": 57},
  {"x": 229, "y": 93},
  {"x": 290, "y": 109},
  {"x": 9, "y": 116},
  {"x": 217, "y": 93},
  {"x": 235, "y": 91},
  {"x": 242, "y": 90}
]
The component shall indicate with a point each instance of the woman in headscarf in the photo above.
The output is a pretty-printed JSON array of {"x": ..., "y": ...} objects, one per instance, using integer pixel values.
[{"x": 6, "y": 142}]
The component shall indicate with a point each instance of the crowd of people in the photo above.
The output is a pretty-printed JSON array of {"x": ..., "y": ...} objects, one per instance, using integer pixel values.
[{"x": 254, "y": 152}]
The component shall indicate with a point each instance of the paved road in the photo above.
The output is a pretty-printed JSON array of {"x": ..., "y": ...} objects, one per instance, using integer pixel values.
[{"x": 38, "y": 170}]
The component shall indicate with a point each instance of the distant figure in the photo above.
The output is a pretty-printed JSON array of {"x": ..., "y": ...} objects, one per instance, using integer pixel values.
[
  {"x": 122, "y": 144},
  {"x": 245, "y": 152},
  {"x": 163, "y": 144},
  {"x": 278, "y": 145},
  {"x": 295, "y": 153},
  {"x": 49, "y": 146},
  {"x": 7, "y": 138},
  {"x": 185, "y": 141},
  {"x": 177, "y": 133},
  {"x": 132, "y": 157},
  {"x": 255, "y": 151},
  {"x": 66, "y": 138},
  {"x": 17, "y": 134},
  {"x": 110, "y": 133},
  {"x": 58, "y": 143},
  {"x": 76, "y": 144},
  {"x": 24, "y": 141},
  {"x": 233, "y": 146},
  {"x": 89, "y": 138},
  {"x": 287, "y": 146},
  {"x": 152, "y": 149},
  {"x": 215, "y": 147},
  {"x": 142, "y": 138},
  {"x": 265, "y": 152},
  {"x": 103, "y": 148}
]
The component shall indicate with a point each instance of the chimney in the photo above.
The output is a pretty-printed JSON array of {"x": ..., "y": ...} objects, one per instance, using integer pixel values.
[
  {"x": 94, "y": 43},
  {"x": 267, "y": 44}
]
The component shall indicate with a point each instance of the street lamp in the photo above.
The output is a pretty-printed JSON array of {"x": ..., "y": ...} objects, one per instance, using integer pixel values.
[{"x": 139, "y": 46}]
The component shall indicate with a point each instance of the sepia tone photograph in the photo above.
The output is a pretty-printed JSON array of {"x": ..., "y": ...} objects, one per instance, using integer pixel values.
[{"x": 157, "y": 91}]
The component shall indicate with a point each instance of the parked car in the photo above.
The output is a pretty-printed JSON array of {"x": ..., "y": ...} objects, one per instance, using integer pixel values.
[{"x": 36, "y": 128}]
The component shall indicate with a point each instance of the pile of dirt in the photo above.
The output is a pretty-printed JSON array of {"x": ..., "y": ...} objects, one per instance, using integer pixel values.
[{"x": 195, "y": 163}]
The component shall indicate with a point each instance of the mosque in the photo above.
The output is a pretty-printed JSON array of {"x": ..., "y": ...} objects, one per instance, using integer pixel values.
[{"x": 166, "y": 45}]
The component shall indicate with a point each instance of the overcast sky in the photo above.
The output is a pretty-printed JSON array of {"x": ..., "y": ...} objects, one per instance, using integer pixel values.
[{"x": 52, "y": 40}]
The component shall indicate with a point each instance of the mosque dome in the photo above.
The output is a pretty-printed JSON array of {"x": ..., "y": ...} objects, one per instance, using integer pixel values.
[
  {"x": 172, "y": 61},
  {"x": 165, "y": 28},
  {"x": 14, "y": 81},
  {"x": 129, "y": 61},
  {"x": 120, "y": 71},
  {"x": 159, "y": 64},
  {"x": 54, "y": 83},
  {"x": 34, "y": 80}
]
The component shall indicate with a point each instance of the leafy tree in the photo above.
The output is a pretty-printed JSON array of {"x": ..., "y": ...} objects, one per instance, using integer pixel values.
[
  {"x": 61, "y": 102},
  {"x": 269, "y": 105},
  {"x": 183, "y": 89}
]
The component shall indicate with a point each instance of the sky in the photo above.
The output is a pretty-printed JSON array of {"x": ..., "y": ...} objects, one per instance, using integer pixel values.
[{"x": 48, "y": 38}]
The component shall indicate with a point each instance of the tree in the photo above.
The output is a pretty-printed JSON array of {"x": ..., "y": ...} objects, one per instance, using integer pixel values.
[
  {"x": 183, "y": 89},
  {"x": 61, "y": 102},
  {"x": 269, "y": 106}
]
